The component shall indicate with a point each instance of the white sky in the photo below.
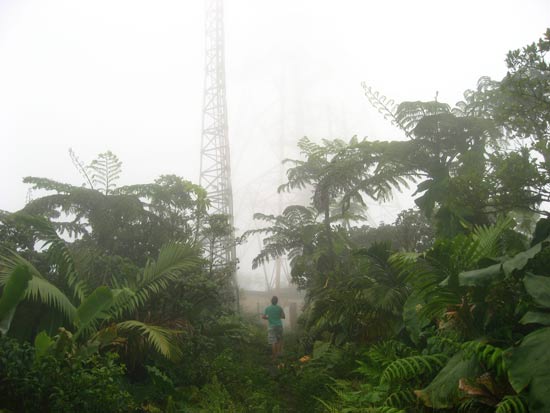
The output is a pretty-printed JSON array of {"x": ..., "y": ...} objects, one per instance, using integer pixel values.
[{"x": 127, "y": 75}]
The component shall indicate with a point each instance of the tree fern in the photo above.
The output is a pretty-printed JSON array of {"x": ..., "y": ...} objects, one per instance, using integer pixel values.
[
  {"x": 105, "y": 170},
  {"x": 409, "y": 114},
  {"x": 385, "y": 106}
]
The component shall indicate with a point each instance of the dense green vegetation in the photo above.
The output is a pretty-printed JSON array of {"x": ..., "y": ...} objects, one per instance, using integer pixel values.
[{"x": 111, "y": 302}]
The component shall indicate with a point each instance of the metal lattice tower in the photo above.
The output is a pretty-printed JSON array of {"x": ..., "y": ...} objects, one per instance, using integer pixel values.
[{"x": 215, "y": 175}]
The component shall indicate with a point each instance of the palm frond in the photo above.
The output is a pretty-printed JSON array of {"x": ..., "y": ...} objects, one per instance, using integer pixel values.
[
  {"x": 174, "y": 258},
  {"x": 161, "y": 339},
  {"x": 39, "y": 289},
  {"x": 58, "y": 252},
  {"x": 488, "y": 237},
  {"x": 13, "y": 292}
]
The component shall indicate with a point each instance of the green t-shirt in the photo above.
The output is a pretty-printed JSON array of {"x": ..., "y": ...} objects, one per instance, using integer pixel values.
[{"x": 274, "y": 314}]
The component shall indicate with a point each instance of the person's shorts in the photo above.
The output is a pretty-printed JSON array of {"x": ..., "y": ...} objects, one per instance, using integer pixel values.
[{"x": 274, "y": 334}]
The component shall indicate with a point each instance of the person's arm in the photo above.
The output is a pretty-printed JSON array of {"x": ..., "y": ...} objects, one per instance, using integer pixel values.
[{"x": 282, "y": 313}]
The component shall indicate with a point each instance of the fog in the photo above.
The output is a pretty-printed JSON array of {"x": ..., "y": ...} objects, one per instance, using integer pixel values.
[{"x": 127, "y": 76}]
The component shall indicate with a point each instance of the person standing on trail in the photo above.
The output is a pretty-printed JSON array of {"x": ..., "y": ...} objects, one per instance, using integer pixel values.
[{"x": 274, "y": 315}]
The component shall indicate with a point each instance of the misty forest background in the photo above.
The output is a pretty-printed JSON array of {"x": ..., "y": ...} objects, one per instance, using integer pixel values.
[{"x": 110, "y": 301}]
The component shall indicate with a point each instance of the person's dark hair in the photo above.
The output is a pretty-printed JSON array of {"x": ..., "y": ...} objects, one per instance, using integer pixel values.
[{"x": 274, "y": 300}]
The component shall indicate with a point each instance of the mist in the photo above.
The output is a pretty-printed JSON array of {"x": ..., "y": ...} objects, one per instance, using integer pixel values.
[{"x": 127, "y": 76}]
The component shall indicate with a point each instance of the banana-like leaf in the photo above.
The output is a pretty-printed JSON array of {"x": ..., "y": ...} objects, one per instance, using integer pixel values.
[
  {"x": 498, "y": 271},
  {"x": 482, "y": 276},
  {"x": 93, "y": 308},
  {"x": 520, "y": 260},
  {"x": 161, "y": 339},
  {"x": 14, "y": 291},
  {"x": 528, "y": 370}
]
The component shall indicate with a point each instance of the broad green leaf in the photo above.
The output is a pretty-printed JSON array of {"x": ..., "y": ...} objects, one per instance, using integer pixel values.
[
  {"x": 520, "y": 260},
  {"x": 42, "y": 343},
  {"x": 442, "y": 392},
  {"x": 528, "y": 370},
  {"x": 480, "y": 277},
  {"x": 13, "y": 292},
  {"x": 538, "y": 287},
  {"x": 536, "y": 317},
  {"x": 93, "y": 307}
]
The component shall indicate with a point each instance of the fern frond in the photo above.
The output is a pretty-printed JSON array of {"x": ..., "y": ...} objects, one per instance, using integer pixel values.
[
  {"x": 409, "y": 367},
  {"x": 161, "y": 339},
  {"x": 492, "y": 357},
  {"x": 384, "y": 409},
  {"x": 385, "y": 106},
  {"x": 408, "y": 114},
  {"x": 388, "y": 351},
  {"x": 400, "y": 399},
  {"x": 512, "y": 404}
]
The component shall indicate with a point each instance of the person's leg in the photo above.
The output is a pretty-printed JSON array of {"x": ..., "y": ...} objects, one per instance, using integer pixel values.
[
  {"x": 281, "y": 346},
  {"x": 279, "y": 340}
]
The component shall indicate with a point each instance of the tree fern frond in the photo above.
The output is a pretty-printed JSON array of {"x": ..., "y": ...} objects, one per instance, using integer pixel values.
[
  {"x": 385, "y": 106},
  {"x": 408, "y": 114},
  {"x": 163, "y": 340}
]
